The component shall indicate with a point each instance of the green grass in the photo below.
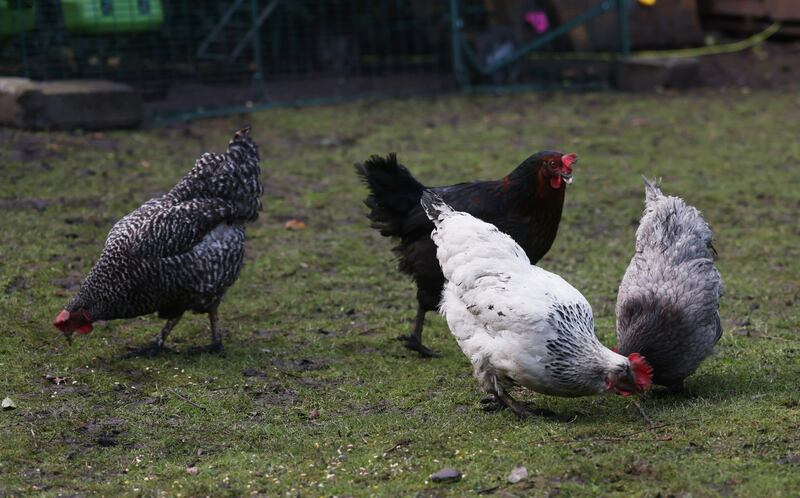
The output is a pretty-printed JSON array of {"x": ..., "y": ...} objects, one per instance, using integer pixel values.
[{"x": 333, "y": 404}]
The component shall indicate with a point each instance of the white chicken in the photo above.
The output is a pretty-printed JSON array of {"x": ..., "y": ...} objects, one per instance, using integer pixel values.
[{"x": 518, "y": 324}]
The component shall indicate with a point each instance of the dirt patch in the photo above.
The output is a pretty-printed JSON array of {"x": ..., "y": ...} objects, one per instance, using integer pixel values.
[
  {"x": 252, "y": 372},
  {"x": 18, "y": 283},
  {"x": 641, "y": 468},
  {"x": 71, "y": 282},
  {"x": 267, "y": 334},
  {"x": 276, "y": 395},
  {"x": 300, "y": 365},
  {"x": 770, "y": 65},
  {"x": 23, "y": 204},
  {"x": 103, "y": 433}
]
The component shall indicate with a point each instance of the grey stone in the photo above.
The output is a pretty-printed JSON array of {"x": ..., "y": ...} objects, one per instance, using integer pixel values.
[
  {"x": 520, "y": 473},
  {"x": 87, "y": 104},
  {"x": 447, "y": 474}
]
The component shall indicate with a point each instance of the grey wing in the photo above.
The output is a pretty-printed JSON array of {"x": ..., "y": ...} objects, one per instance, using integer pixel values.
[
  {"x": 696, "y": 289},
  {"x": 212, "y": 265},
  {"x": 718, "y": 335},
  {"x": 178, "y": 228},
  {"x": 124, "y": 233}
]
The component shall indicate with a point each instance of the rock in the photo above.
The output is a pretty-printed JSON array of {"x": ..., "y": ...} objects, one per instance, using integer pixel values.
[
  {"x": 520, "y": 473},
  {"x": 8, "y": 404},
  {"x": 67, "y": 104},
  {"x": 790, "y": 460},
  {"x": 447, "y": 474},
  {"x": 644, "y": 75}
]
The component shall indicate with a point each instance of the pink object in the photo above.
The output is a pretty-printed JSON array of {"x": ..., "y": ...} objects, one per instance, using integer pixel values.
[{"x": 538, "y": 20}]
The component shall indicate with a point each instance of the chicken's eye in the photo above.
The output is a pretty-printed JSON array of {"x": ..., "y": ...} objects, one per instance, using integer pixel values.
[{"x": 551, "y": 163}]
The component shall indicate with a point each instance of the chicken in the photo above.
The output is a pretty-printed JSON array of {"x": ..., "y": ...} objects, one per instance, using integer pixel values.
[
  {"x": 526, "y": 204},
  {"x": 518, "y": 324},
  {"x": 668, "y": 302},
  {"x": 175, "y": 253}
]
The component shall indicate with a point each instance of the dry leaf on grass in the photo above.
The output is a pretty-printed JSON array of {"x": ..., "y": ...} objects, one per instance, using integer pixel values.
[{"x": 295, "y": 225}]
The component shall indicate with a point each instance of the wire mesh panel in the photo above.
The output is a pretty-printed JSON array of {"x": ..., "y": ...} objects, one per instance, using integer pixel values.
[
  {"x": 183, "y": 54},
  {"x": 186, "y": 56}
]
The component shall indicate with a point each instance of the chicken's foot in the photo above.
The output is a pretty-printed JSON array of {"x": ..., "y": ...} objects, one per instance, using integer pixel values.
[
  {"x": 490, "y": 403},
  {"x": 216, "y": 337},
  {"x": 413, "y": 341},
  {"x": 521, "y": 410},
  {"x": 157, "y": 345}
]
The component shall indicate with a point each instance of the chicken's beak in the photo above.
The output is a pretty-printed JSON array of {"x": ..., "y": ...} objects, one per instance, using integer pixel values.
[{"x": 567, "y": 177}]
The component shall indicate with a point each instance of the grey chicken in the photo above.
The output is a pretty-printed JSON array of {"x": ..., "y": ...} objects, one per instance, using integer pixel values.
[
  {"x": 668, "y": 302},
  {"x": 175, "y": 253}
]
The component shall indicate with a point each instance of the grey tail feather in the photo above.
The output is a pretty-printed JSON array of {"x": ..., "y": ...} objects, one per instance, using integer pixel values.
[
  {"x": 434, "y": 205},
  {"x": 651, "y": 188},
  {"x": 242, "y": 143}
]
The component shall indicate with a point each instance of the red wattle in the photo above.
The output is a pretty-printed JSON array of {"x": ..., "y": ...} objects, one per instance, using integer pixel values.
[
  {"x": 555, "y": 181},
  {"x": 84, "y": 329}
]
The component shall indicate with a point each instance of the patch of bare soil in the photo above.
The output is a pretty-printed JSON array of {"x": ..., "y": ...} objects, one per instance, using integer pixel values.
[{"x": 766, "y": 66}]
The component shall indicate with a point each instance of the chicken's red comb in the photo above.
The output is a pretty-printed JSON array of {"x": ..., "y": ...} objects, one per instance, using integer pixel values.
[
  {"x": 568, "y": 159},
  {"x": 642, "y": 371}
]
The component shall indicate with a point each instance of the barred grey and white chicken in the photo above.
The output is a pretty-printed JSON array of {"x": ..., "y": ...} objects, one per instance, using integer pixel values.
[
  {"x": 517, "y": 323},
  {"x": 175, "y": 253},
  {"x": 668, "y": 302}
]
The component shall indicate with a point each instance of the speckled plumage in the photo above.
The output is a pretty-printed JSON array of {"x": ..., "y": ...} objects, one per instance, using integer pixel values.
[
  {"x": 668, "y": 303},
  {"x": 181, "y": 251},
  {"x": 517, "y": 323}
]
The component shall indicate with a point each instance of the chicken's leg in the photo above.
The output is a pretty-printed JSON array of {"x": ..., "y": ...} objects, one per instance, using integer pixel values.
[
  {"x": 521, "y": 410},
  {"x": 216, "y": 336},
  {"x": 157, "y": 345},
  {"x": 413, "y": 341}
]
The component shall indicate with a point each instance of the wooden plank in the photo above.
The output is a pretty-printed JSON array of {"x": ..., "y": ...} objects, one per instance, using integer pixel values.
[
  {"x": 739, "y": 8},
  {"x": 777, "y": 10},
  {"x": 667, "y": 24},
  {"x": 784, "y": 10}
]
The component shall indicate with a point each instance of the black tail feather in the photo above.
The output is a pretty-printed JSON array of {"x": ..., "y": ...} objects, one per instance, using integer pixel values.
[{"x": 394, "y": 192}]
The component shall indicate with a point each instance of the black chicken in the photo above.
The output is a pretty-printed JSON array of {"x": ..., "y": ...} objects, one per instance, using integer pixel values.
[
  {"x": 175, "y": 253},
  {"x": 526, "y": 204}
]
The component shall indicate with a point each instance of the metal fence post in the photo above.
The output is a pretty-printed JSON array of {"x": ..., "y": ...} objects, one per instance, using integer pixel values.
[
  {"x": 456, "y": 23},
  {"x": 258, "y": 77},
  {"x": 624, "y": 27}
]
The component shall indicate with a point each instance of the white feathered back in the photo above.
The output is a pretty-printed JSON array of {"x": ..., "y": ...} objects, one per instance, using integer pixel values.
[{"x": 513, "y": 319}]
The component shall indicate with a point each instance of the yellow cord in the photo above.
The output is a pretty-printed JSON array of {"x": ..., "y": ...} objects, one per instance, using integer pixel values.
[{"x": 727, "y": 48}]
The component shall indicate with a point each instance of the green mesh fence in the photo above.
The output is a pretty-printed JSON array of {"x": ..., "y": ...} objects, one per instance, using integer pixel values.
[{"x": 210, "y": 56}]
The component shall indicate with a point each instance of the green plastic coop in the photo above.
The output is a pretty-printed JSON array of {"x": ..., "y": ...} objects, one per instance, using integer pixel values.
[
  {"x": 16, "y": 16},
  {"x": 112, "y": 16}
]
